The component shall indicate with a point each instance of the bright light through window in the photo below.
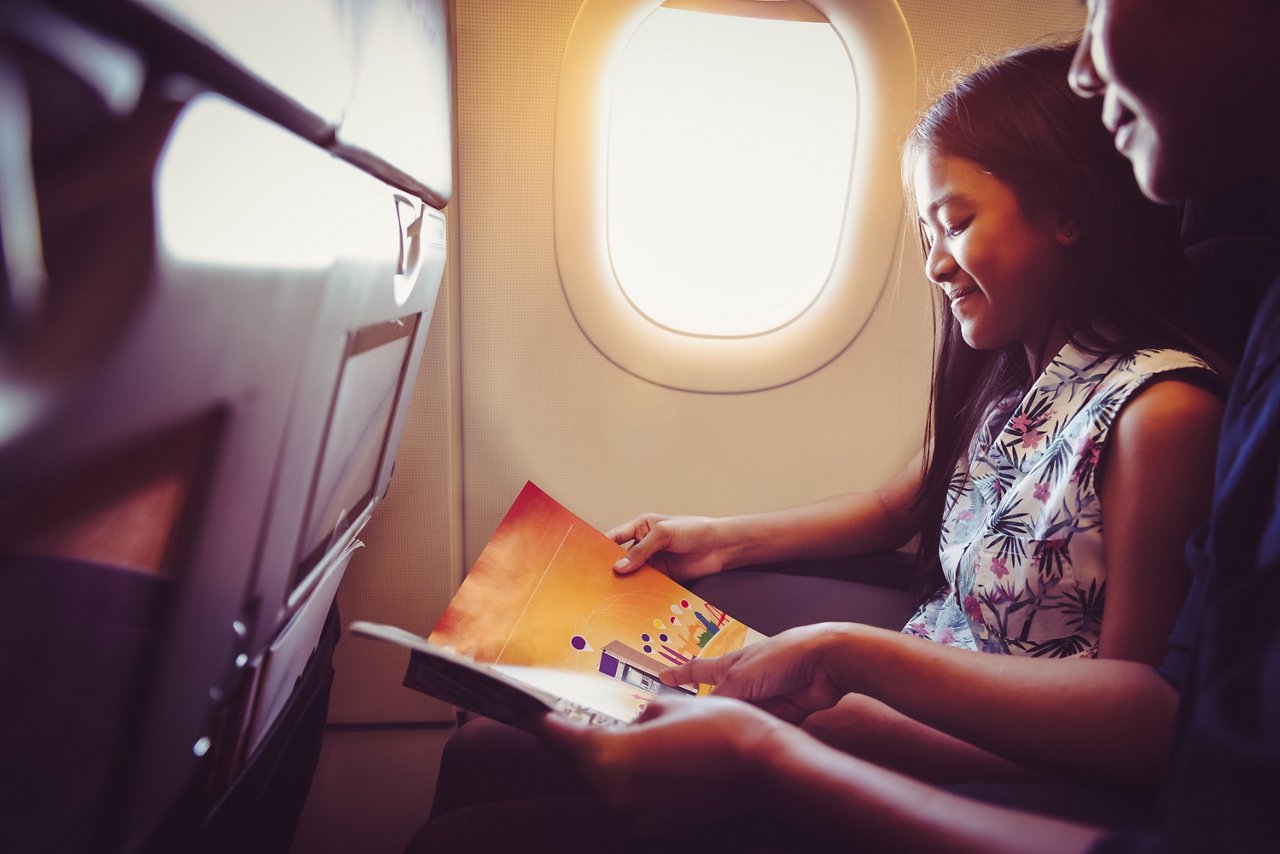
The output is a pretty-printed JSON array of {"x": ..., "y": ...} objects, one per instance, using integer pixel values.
[{"x": 730, "y": 151}]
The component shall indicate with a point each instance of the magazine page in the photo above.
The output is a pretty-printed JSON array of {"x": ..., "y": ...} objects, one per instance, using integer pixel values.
[
  {"x": 519, "y": 698},
  {"x": 542, "y": 602}
]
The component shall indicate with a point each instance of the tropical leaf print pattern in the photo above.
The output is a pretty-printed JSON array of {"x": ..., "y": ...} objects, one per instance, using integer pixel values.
[{"x": 1021, "y": 543}]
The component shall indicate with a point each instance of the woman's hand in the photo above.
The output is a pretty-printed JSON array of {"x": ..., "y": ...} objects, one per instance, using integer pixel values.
[
  {"x": 683, "y": 547},
  {"x": 692, "y": 762},
  {"x": 709, "y": 752},
  {"x": 791, "y": 675}
]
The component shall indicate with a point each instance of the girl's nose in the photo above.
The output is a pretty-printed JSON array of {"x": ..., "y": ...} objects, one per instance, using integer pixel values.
[{"x": 940, "y": 266}]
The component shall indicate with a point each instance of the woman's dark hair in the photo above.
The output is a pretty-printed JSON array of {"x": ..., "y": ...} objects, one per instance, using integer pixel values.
[{"x": 1126, "y": 284}]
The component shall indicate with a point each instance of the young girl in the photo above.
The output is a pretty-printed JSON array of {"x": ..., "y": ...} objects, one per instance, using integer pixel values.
[{"x": 1067, "y": 400}]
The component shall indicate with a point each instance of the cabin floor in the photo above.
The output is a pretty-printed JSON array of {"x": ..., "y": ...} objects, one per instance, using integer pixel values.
[{"x": 372, "y": 789}]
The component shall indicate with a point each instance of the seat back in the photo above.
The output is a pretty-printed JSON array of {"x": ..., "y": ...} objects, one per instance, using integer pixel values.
[
  {"x": 214, "y": 306},
  {"x": 1232, "y": 242}
]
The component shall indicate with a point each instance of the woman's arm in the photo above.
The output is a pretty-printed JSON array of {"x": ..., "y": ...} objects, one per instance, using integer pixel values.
[
  {"x": 1156, "y": 480},
  {"x": 688, "y": 547},
  {"x": 740, "y": 761}
]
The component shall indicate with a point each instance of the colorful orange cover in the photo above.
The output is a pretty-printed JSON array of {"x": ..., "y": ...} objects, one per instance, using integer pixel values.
[{"x": 543, "y": 606}]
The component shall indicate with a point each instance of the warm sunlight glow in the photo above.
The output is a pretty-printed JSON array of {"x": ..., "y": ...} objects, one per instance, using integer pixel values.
[{"x": 730, "y": 151}]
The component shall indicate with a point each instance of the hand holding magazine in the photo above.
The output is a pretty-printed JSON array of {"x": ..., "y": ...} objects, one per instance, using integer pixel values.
[{"x": 541, "y": 623}]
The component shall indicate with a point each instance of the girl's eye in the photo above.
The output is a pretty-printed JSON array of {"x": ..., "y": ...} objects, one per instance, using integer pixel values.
[{"x": 958, "y": 229}]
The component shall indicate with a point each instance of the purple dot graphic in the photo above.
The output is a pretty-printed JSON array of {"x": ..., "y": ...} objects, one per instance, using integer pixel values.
[
  {"x": 644, "y": 638},
  {"x": 662, "y": 638},
  {"x": 578, "y": 642},
  {"x": 648, "y": 648}
]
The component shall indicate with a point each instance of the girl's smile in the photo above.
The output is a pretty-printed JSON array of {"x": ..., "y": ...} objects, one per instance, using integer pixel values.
[{"x": 1000, "y": 267}]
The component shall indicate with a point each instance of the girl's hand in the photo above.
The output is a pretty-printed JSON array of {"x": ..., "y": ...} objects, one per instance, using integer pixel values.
[
  {"x": 791, "y": 675},
  {"x": 683, "y": 547},
  {"x": 708, "y": 753}
]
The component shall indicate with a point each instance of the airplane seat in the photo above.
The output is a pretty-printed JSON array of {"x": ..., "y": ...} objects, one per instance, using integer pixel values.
[
  {"x": 261, "y": 807},
  {"x": 216, "y": 287},
  {"x": 1231, "y": 239},
  {"x": 872, "y": 589}
]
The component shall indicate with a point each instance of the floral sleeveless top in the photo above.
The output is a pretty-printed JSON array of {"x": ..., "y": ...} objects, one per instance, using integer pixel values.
[{"x": 1021, "y": 543}]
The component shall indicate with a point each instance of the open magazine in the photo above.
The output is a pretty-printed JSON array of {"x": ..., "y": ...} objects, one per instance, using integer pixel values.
[{"x": 541, "y": 623}]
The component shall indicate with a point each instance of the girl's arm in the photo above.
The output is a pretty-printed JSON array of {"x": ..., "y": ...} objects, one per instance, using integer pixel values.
[
  {"x": 687, "y": 547},
  {"x": 871, "y": 730},
  {"x": 1156, "y": 482},
  {"x": 1154, "y": 491},
  {"x": 1067, "y": 717},
  {"x": 839, "y": 799}
]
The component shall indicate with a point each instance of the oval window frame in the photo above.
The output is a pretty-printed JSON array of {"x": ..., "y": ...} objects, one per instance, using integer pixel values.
[{"x": 874, "y": 33}]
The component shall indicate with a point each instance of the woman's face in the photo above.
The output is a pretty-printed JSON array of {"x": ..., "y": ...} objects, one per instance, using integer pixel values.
[
  {"x": 1178, "y": 90},
  {"x": 997, "y": 266}
]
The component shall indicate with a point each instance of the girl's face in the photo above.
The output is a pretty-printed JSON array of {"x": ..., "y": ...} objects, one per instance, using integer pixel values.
[{"x": 998, "y": 267}]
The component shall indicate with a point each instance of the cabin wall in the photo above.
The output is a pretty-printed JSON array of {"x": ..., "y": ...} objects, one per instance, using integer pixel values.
[{"x": 511, "y": 389}]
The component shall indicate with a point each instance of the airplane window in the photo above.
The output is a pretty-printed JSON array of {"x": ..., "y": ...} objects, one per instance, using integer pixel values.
[
  {"x": 707, "y": 110},
  {"x": 726, "y": 195}
]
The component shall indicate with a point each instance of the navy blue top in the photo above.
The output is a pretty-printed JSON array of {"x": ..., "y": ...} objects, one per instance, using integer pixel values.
[{"x": 1224, "y": 777}]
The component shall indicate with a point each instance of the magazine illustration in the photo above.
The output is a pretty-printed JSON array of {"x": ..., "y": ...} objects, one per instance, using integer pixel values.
[{"x": 543, "y": 607}]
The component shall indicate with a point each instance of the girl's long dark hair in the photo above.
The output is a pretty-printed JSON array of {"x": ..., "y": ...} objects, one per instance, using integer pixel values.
[{"x": 1126, "y": 285}]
